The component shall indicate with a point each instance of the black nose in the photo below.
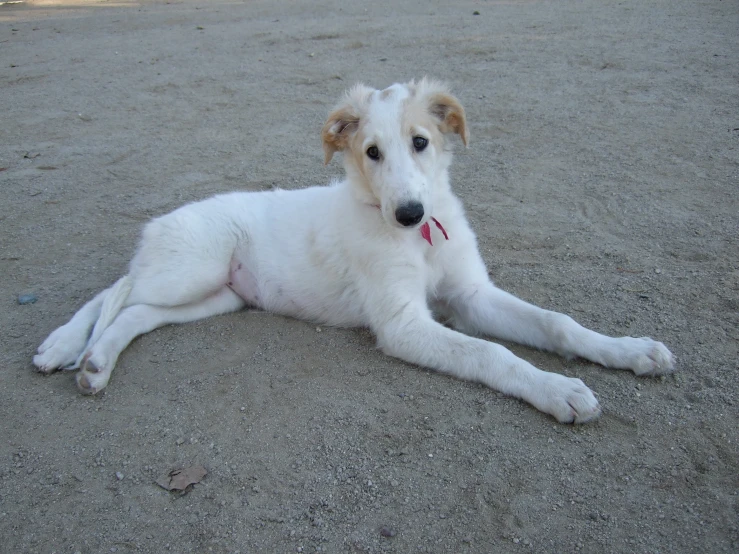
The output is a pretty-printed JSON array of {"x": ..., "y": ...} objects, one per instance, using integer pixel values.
[{"x": 409, "y": 214}]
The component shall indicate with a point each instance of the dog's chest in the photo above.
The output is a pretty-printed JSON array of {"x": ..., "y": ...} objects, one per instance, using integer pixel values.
[
  {"x": 324, "y": 276},
  {"x": 433, "y": 270}
]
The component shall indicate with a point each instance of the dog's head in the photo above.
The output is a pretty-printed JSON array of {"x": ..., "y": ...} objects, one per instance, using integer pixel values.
[{"x": 394, "y": 147}]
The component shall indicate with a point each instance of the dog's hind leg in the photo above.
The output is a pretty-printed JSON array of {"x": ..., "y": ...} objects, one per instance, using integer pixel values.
[
  {"x": 64, "y": 346},
  {"x": 173, "y": 281},
  {"x": 183, "y": 259},
  {"x": 138, "y": 319}
]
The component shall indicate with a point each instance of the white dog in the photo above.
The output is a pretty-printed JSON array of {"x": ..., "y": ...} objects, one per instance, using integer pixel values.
[{"x": 385, "y": 248}]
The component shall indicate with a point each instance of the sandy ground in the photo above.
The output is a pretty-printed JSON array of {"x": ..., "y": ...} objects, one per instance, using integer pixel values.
[{"x": 602, "y": 181}]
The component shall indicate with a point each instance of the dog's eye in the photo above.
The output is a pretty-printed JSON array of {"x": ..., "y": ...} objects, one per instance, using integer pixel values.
[
  {"x": 373, "y": 152},
  {"x": 419, "y": 143}
]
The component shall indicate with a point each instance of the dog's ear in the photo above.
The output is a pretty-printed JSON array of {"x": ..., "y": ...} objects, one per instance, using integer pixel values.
[
  {"x": 445, "y": 108},
  {"x": 451, "y": 114},
  {"x": 340, "y": 125},
  {"x": 343, "y": 121}
]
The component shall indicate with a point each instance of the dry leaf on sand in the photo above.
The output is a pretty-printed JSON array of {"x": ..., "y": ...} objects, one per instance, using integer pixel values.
[{"x": 180, "y": 479}]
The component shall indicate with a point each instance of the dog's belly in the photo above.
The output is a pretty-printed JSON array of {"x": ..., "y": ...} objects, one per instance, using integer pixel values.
[
  {"x": 296, "y": 292},
  {"x": 244, "y": 283}
]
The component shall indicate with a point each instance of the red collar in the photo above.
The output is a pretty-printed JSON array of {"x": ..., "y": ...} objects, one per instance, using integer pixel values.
[{"x": 426, "y": 229}]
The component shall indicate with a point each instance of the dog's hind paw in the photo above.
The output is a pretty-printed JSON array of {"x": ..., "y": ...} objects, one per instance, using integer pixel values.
[
  {"x": 91, "y": 379},
  {"x": 569, "y": 400},
  {"x": 60, "y": 350}
]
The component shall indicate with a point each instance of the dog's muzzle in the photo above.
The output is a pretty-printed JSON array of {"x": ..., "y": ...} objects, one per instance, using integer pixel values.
[{"x": 409, "y": 214}]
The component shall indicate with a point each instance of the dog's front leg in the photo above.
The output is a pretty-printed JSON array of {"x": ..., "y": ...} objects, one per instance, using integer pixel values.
[
  {"x": 412, "y": 335},
  {"x": 483, "y": 308}
]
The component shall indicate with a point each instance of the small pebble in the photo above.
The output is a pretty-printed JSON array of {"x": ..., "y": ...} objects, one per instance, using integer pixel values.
[
  {"x": 27, "y": 299},
  {"x": 180, "y": 441},
  {"x": 387, "y": 532},
  {"x": 658, "y": 271},
  {"x": 119, "y": 475}
]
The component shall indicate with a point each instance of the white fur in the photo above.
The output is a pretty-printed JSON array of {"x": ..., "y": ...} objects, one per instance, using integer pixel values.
[{"x": 339, "y": 256}]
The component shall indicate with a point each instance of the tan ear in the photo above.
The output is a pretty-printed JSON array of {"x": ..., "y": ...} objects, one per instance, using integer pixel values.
[
  {"x": 451, "y": 114},
  {"x": 445, "y": 107},
  {"x": 343, "y": 121},
  {"x": 340, "y": 125}
]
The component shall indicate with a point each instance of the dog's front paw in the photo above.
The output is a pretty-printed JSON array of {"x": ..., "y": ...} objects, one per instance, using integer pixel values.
[
  {"x": 567, "y": 399},
  {"x": 648, "y": 357}
]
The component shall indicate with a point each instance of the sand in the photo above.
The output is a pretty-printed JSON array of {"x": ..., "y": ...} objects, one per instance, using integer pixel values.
[{"x": 601, "y": 179}]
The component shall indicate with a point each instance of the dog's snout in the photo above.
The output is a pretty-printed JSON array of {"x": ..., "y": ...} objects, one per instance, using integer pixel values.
[{"x": 409, "y": 214}]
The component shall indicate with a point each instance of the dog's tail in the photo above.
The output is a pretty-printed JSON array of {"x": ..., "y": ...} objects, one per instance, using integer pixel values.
[{"x": 112, "y": 305}]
